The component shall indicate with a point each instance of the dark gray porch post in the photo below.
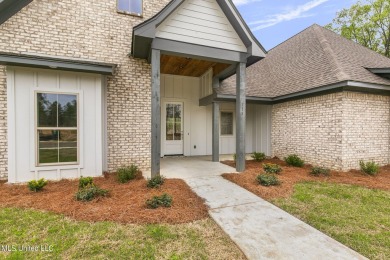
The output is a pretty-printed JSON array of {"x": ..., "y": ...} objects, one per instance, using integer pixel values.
[
  {"x": 240, "y": 116},
  {"x": 156, "y": 113},
  {"x": 215, "y": 123},
  {"x": 215, "y": 132}
]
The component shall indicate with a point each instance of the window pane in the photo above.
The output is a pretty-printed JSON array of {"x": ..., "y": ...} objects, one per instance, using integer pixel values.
[
  {"x": 67, "y": 110},
  {"x": 226, "y": 123},
  {"x": 130, "y": 6},
  {"x": 136, "y": 6},
  {"x": 123, "y": 5},
  {"x": 170, "y": 122},
  {"x": 47, "y": 110},
  {"x": 178, "y": 122},
  {"x": 68, "y": 146},
  {"x": 48, "y": 146}
]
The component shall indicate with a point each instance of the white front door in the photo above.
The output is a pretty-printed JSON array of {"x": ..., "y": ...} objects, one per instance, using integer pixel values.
[{"x": 174, "y": 128}]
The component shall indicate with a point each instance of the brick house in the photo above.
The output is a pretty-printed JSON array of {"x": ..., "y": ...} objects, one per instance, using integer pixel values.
[
  {"x": 88, "y": 86},
  {"x": 330, "y": 99}
]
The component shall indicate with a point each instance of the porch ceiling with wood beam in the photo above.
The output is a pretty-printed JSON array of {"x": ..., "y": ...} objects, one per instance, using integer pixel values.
[
  {"x": 190, "y": 67},
  {"x": 188, "y": 37}
]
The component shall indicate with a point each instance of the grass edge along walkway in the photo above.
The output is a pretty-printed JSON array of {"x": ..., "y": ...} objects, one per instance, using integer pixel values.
[
  {"x": 355, "y": 216},
  {"x": 72, "y": 239}
]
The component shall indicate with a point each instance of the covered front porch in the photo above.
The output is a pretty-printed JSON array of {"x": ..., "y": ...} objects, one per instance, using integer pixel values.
[
  {"x": 173, "y": 113},
  {"x": 190, "y": 38}
]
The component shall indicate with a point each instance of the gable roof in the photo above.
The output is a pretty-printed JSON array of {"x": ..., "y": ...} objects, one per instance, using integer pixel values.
[
  {"x": 202, "y": 23},
  {"x": 314, "y": 58},
  {"x": 144, "y": 33},
  {"x": 10, "y": 7}
]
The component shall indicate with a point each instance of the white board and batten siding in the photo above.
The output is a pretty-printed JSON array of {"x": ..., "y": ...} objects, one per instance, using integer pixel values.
[
  {"x": 22, "y": 86},
  {"x": 201, "y": 22},
  {"x": 206, "y": 84},
  {"x": 179, "y": 89},
  {"x": 258, "y": 129},
  {"x": 198, "y": 120},
  {"x": 262, "y": 129}
]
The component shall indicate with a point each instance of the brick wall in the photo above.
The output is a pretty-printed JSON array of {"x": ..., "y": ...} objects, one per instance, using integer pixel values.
[
  {"x": 90, "y": 30},
  {"x": 335, "y": 130},
  {"x": 365, "y": 129},
  {"x": 311, "y": 128}
]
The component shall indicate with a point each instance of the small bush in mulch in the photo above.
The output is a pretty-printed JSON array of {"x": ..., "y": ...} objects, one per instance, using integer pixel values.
[
  {"x": 159, "y": 201},
  {"x": 85, "y": 181},
  {"x": 125, "y": 203},
  {"x": 294, "y": 175},
  {"x": 156, "y": 181},
  {"x": 318, "y": 171},
  {"x": 258, "y": 157},
  {"x": 37, "y": 185},
  {"x": 90, "y": 192},
  {"x": 370, "y": 168},
  {"x": 126, "y": 174},
  {"x": 294, "y": 160},
  {"x": 272, "y": 168},
  {"x": 268, "y": 179}
]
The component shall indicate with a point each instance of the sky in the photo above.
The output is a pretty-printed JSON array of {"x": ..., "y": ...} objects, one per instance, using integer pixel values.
[{"x": 274, "y": 21}]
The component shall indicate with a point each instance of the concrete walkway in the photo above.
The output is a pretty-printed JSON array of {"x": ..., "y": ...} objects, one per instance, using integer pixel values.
[
  {"x": 193, "y": 167},
  {"x": 260, "y": 229}
]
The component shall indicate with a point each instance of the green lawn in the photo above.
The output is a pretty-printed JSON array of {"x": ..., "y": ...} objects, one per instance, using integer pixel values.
[
  {"x": 106, "y": 240},
  {"x": 357, "y": 217}
]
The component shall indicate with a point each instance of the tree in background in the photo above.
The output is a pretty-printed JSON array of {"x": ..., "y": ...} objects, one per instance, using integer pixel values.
[{"x": 367, "y": 23}]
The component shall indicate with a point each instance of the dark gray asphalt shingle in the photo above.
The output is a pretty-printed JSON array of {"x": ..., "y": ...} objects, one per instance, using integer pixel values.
[{"x": 313, "y": 58}]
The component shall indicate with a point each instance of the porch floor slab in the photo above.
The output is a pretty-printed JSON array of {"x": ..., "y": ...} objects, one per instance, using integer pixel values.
[
  {"x": 193, "y": 167},
  {"x": 260, "y": 229}
]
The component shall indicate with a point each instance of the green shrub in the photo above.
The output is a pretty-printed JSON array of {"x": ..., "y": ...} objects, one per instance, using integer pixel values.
[
  {"x": 268, "y": 179},
  {"x": 235, "y": 157},
  {"x": 159, "y": 201},
  {"x": 258, "y": 157},
  {"x": 90, "y": 192},
  {"x": 317, "y": 171},
  {"x": 370, "y": 168},
  {"x": 156, "y": 181},
  {"x": 85, "y": 181},
  {"x": 126, "y": 174},
  {"x": 272, "y": 168},
  {"x": 294, "y": 160},
  {"x": 37, "y": 185}
]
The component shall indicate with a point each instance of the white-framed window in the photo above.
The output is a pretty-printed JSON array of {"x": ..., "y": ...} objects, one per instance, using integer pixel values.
[
  {"x": 227, "y": 123},
  {"x": 57, "y": 128},
  {"x": 133, "y": 7}
]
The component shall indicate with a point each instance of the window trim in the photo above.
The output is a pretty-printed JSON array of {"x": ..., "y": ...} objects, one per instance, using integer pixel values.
[
  {"x": 130, "y": 13},
  {"x": 220, "y": 123},
  {"x": 37, "y": 129}
]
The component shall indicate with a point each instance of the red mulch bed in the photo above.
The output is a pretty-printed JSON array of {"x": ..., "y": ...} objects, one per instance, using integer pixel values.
[
  {"x": 292, "y": 175},
  {"x": 125, "y": 203}
]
